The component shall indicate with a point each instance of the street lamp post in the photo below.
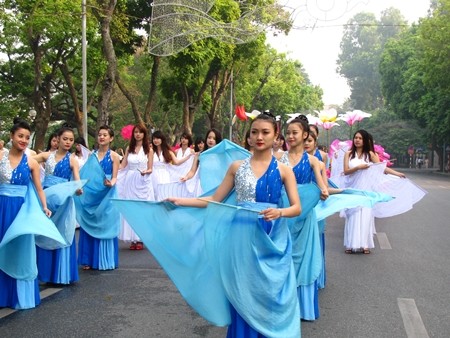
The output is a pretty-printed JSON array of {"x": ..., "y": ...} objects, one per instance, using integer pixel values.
[{"x": 84, "y": 72}]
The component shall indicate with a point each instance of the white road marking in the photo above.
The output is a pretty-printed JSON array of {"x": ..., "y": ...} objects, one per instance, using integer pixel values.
[
  {"x": 48, "y": 292},
  {"x": 6, "y": 312},
  {"x": 383, "y": 241},
  {"x": 411, "y": 318},
  {"x": 44, "y": 294}
]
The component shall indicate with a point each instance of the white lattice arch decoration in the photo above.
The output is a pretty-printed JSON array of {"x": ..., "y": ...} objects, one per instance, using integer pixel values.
[{"x": 176, "y": 24}]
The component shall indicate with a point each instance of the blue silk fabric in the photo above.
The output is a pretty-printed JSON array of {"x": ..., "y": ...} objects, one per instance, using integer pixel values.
[
  {"x": 225, "y": 254},
  {"x": 60, "y": 200},
  {"x": 30, "y": 225},
  {"x": 215, "y": 162},
  {"x": 95, "y": 212}
]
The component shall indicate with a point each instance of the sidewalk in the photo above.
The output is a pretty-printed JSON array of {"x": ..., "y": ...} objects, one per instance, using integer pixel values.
[{"x": 427, "y": 171}]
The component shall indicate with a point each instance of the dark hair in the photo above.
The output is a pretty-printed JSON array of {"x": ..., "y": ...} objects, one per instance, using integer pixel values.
[
  {"x": 49, "y": 141},
  {"x": 366, "y": 144},
  {"x": 313, "y": 135},
  {"x": 188, "y": 137},
  {"x": 78, "y": 140},
  {"x": 198, "y": 140},
  {"x": 268, "y": 117},
  {"x": 246, "y": 144},
  {"x": 302, "y": 120},
  {"x": 313, "y": 126},
  {"x": 165, "y": 148},
  {"x": 372, "y": 146},
  {"x": 108, "y": 129},
  {"x": 217, "y": 134},
  {"x": 145, "y": 141},
  {"x": 18, "y": 123},
  {"x": 284, "y": 145},
  {"x": 65, "y": 127}
]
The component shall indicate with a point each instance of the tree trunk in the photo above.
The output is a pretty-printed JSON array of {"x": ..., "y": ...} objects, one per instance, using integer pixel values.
[
  {"x": 152, "y": 92},
  {"x": 218, "y": 86},
  {"x": 42, "y": 115},
  {"x": 262, "y": 83},
  {"x": 187, "y": 126},
  {"x": 78, "y": 114},
  {"x": 105, "y": 18},
  {"x": 191, "y": 104},
  {"x": 130, "y": 98}
]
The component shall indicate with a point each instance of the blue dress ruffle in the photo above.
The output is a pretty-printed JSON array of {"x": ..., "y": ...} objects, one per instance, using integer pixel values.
[
  {"x": 59, "y": 266},
  {"x": 19, "y": 204},
  {"x": 306, "y": 248},
  {"x": 322, "y": 225},
  {"x": 230, "y": 265},
  {"x": 98, "y": 245}
]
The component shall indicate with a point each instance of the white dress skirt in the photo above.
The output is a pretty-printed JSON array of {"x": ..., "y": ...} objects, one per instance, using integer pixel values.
[
  {"x": 359, "y": 222},
  {"x": 132, "y": 185},
  {"x": 160, "y": 175}
]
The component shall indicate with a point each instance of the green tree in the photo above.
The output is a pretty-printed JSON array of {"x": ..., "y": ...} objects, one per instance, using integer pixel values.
[
  {"x": 361, "y": 47},
  {"x": 414, "y": 77},
  {"x": 37, "y": 37}
]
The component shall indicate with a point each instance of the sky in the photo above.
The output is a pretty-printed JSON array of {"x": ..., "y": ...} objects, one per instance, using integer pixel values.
[{"x": 318, "y": 49}]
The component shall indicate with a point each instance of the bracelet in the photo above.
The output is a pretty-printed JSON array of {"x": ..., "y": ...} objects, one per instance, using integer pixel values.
[{"x": 281, "y": 213}]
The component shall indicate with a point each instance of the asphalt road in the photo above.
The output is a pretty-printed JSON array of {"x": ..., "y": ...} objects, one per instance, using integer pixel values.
[{"x": 401, "y": 289}]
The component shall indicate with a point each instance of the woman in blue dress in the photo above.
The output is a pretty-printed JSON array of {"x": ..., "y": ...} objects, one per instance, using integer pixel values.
[
  {"x": 311, "y": 148},
  {"x": 98, "y": 246},
  {"x": 59, "y": 266},
  {"x": 320, "y": 154},
  {"x": 16, "y": 172},
  {"x": 254, "y": 261},
  {"x": 307, "y": 253}
]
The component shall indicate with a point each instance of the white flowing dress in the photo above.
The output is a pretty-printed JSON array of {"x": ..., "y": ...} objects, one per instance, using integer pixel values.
[
  {"x": 359, "y": 222},
  {"x": 132, "y": 185}
]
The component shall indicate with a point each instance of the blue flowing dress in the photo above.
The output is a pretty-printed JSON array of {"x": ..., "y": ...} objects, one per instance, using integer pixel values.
[
  {"x": 229, "y": 264},
  {"x": 306, "y": 248},
  {"x": 14, "y": 293},
  {"x": 58, "y": 266},
  {"x": 322, "y": 226},
  {"x": 97, "y": 253},
  {"x": 249, "y": 189}
]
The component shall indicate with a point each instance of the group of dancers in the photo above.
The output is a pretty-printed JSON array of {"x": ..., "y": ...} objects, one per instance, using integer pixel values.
[
  {"x": 76, "y": 190},
  {"x": 240, "y": 233}
]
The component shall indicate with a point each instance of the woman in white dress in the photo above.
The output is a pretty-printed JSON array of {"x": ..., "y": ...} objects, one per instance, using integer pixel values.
[
  {"x": 134, "y": 181},
  {"x": 81, "y": 153},
  {"x": 163, "y": 157},
  {"x": 213, "y": 137},
  {"x": 185, "y": 146},
  {"x": 360, "y": 222}
]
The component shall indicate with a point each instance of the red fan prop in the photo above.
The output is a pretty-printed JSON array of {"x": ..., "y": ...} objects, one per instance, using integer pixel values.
[
  {"x": 127, "y": 131},
  {"x": 240, "y": 113}
]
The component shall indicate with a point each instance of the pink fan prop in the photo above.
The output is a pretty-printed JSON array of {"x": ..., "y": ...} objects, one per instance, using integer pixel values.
[{"x": 127, "y": 131}]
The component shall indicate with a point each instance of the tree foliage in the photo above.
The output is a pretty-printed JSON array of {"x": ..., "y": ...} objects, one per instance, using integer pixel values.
[
  {"x": 414, "y": 74},
  {"x": 361, "y": 48},
  {"x": 41, "y": 68}
]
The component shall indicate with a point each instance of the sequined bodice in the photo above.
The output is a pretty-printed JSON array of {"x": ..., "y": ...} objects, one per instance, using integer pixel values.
[
  {"x": 137, "y": 161},
  {"x": 61, "y": 169},
  {"x": 302, "y": 170},
  {"x": 19, "y": 175},
  {"x": 265, "y": 189},
  {"x": 106, "y": 163}
]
